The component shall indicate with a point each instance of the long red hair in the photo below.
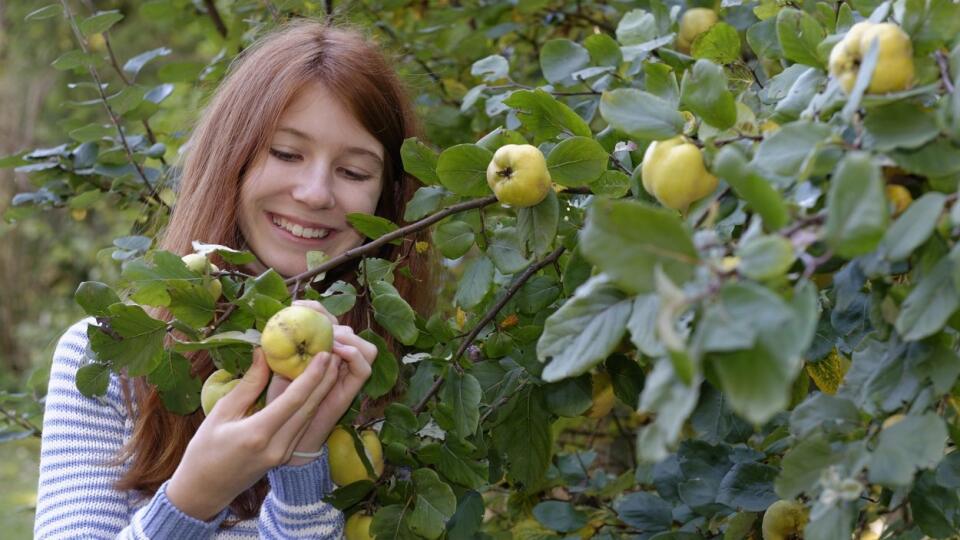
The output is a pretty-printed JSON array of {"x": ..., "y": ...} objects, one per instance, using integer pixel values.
[{"x": 234, "y": 129}]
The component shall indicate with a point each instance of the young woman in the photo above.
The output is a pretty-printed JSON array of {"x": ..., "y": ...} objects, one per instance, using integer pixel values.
[{"x": 305, "y": 129}]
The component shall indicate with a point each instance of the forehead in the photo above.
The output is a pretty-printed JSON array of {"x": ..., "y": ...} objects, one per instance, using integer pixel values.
[{"x": 316, "y": 115}]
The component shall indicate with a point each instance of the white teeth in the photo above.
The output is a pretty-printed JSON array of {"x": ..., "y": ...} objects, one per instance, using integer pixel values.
[{"x": 299, "y": 230}]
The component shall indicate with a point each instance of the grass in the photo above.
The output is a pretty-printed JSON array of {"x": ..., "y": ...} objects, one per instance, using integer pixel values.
[{"x": 19, "y": 468}]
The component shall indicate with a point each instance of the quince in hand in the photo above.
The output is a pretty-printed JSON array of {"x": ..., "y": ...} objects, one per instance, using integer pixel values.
[
  {"x": 200, "y": 264},
  {"x": 518, "y": 175},
  {"x": 217, "y": 385},
  {"x": 784, "y": 520},
  {"x": 694, "y": 22},
  {"x": 346, "y": 467},
  {"x": 292, "y": 337},
  {"x": 674, "y": 173},
  {"x": 894, "y": 70},
  {"x": 358, "y": 527},
  {"x": 602, "y": 394}
]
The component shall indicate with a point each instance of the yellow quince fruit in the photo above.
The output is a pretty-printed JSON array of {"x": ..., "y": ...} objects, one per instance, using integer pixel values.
[
  {"x": 358, "y": 527},
  {"x": 346, "y": 467},
  {"x": 200, "y": 264},
  {"x": 694, "y": 22},
  {"x": 894, "y": 71},
  {"x": 292, "y": 337},
  {"x": 217, "y": 385},
  {"x": 602, "y": 396},
  {"x": 784, "y": 520},
  {"x": 518, "y": 175},
  {"x": 673, "y": 172},
  {"x": 900, "y": 198}
]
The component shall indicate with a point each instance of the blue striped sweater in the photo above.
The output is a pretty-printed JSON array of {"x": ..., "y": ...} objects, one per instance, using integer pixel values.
[{"x": 76, "y": 497}]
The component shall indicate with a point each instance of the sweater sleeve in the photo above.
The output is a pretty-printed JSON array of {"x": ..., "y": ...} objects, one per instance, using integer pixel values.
[
  {"x": 294, "y": 508},
  {"x": 81, "y": 438}
]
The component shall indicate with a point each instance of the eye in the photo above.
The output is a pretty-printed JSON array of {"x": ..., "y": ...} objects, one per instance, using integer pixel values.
[
  {"x": 284, "y": 156},
  {"x": 354, "y": 175}
]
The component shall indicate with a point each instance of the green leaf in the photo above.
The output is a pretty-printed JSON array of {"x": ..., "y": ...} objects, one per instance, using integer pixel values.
[
  {"x": 570, "y": 397},
  {"x": 72, "y": 60},
  {"x": 339, "y": 298},
  {"x": 669, "y": 402},
  {"x": 506, "y": 252},
  {"x": 761, "y": 197},
  {"x": 937, "y": 158},
  {"x": 452, "y": 460},
  {"x": 371, "y": 226},
  {"x": 135, "y": 64},
  {"x": 463, "y": 169},
  {"x": 462, "y": 392},
  {"x": 475, "y": 283},
  {"x": 393, "y": 521},
  {"x": 92, "y": 132},
  {"x": 425, "y": 201},
  {"x": 577, "y": 161},
  {"x": 385, "y": 367},
  {"x": 523, "y": 434},
  {"x": 419, "y": 160},
  {"x": 46, "y": 12},
  {"x": 537, "y": 293},
  {"x": 140, "y": 346},
  {"x": 559, "y": 58},
  {"x": 931, "y": 302},
  {"x": 191, "y": 303},
  {"x": 222, "y": 339},
  {"x": 831, "y": 522},
  {"x": 453, "y": 238},
  {"x": 537, "y": 225},
  {"x": 628, "y": 239},
  {"x": 179, "y": 388},
  {"x": 720, "y": 44},
  {"x": 101, "y": 22},
  {"x": 748, "y": 486},
  {"x": 640, "y": 115},
  {"x": 435, "y": 504},
  {"x": 787, "y": 151},
  {"x": 612, "y": 184},
  {"x": 913, "y": 228},
  {"x": 583, "y": 331},
  {"x": 823, "y": 412},
  {"x": 704, "y": 91},
  {"x": 95, "y": 298},
  {"x": 546, "y": 117},
  {"x": 636, "y": 27},
  {"x": 93, "y": 379},
  {"x": 180, "y": 72},
  {"x": 857, "y": 210},
  {"x": 765, "y": 257},
  {"x": 901, "y": 124},
  {"x": 397, "y": 317},
  {"x": 645, "y": 511},
  {"x": 603, "y": 50},
  {"x": 916, "y": 442},
  {"x": 803, "y": 465},
  {"x": 560, "y": 516},
  {"x": 491, "y": 68},
  {"x": 799, "y": 34}
]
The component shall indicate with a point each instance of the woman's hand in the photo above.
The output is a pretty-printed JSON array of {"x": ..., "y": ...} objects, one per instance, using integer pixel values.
[
  {"x": 354, "y": 356},
  {"x": 232, "y": 451}
]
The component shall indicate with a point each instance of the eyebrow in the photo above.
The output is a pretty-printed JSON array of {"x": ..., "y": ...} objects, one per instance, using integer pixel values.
[{"x": 350, "y": 150}]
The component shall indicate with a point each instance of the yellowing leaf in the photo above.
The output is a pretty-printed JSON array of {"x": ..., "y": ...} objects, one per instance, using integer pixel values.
[{"x": 828, "y": 373}]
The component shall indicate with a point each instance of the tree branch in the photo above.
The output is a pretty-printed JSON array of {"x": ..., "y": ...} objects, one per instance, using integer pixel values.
[
  {"x": 113, "y": 117},
  {"x": 215, "y": 16}
]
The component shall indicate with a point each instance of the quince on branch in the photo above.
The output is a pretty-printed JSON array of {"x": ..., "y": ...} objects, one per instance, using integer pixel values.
[
  {"x": 518, "y": 175},
  {"x": 894, "y": 71},
  {"x": 200, "y": 264},
  {"x": 694, "y": 22},
  {"x": 358, "y": 527},
  {"x": 673, "y": 172},
  {"x": 784, "y": 520},
  {"x": 346, "y": 467}
]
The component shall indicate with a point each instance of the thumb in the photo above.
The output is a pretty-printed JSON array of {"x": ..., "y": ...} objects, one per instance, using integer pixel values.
[{"x": 238, "y": 401}]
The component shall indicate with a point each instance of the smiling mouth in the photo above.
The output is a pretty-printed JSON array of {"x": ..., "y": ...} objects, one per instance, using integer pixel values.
[{"x": 299, "y": 231}]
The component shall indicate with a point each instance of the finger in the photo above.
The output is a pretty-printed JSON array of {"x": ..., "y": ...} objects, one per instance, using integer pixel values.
[
  {"x": 276, "y": 413},
  {"x": 278, "y": 384},
  {"x": 347, "y": 337},
  {"x": 356, "y": 362},
  {"x": 297, "y": 425},
  {"x": 317, "y": 306},
  {"x": 238, "y": 400}
]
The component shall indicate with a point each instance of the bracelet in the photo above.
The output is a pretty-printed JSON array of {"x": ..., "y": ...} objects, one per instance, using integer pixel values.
[{"x": 308, "y": 455}]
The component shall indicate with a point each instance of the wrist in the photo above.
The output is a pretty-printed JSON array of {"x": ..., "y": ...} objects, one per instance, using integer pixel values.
[{"x": 191, "y": 501}]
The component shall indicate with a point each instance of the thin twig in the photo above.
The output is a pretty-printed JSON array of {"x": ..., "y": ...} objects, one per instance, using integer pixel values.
[
  {"x": 215, "y": 16},
  {"x": 944, "y": 71},
  {"x": 22, "y": 422}
]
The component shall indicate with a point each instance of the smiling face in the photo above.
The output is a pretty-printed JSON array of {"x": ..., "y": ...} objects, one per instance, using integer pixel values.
[{"x": 320, "y": 165}]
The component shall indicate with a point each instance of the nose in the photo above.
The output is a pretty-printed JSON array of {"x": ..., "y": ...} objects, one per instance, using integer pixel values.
[{"x": 315, "y": 189}]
